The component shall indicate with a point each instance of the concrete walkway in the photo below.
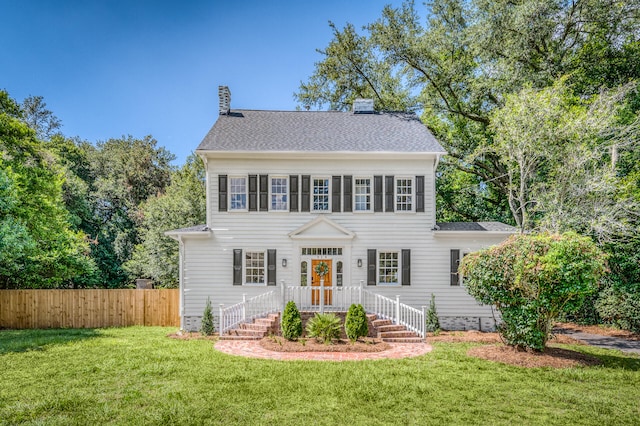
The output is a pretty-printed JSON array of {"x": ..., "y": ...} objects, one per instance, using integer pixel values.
[
  {"x": 607, "y": 342},
  {"x": 252, "y": 349}
]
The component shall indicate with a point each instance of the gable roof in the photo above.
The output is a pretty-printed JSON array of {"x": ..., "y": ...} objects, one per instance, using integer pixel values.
[
  {"x": 319, "y": 131},
  {"x": 497, "y": 227},
  {"x": 322, "y": 228}
]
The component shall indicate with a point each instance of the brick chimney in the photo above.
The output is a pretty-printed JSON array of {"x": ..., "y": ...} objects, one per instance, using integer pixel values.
[
  {"x": 363, "y": 106},
  {"x": 225, "y": 100}
]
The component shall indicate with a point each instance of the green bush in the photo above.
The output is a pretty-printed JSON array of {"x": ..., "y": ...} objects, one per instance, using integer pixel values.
[
  {"x": 324, "y": 327},
  {"x": 620, "y": 308},
  {"x": 291, "y": 324},
  {"x": 532, "y": 280},
  {"x": 433, "y": 323},
  {"x": 206, "y": 328},
  {"x": 355, "y": 324}
]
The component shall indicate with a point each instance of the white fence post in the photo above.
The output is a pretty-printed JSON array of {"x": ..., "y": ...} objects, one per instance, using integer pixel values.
[
  {"x": 322, "y": 295},
  {"x": 424, "y": 322},
  {"x": 284, "y": 294},
  {"x": 397, "y": 309},
  {"x": 244, "y": 307},
  {"x": 221, "y": 319},
  {"x": 360, "y": 292}
]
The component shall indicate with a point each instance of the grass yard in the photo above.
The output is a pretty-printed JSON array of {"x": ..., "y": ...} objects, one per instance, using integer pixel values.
[{"x": 138, "y": 376}]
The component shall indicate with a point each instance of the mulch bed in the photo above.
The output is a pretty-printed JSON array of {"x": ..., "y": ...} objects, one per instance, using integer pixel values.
[
  {"x": 280, "y": 344},
  {"x": 551, "y": 357}
]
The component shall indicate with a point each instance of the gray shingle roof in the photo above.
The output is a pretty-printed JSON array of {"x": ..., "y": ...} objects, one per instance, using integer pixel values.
[
  {"x": 319, "y": 131},
  {"x": 197, "y": 228},
  {"x": 475, "y": 226}
]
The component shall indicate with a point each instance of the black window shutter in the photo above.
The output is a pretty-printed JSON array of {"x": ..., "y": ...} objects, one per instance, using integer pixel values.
[
  {"x": 389, "y": 196},
  {"x": 336, "y": 193},
  {"x": 271, "y": 267},
  {"x": 306, "y": 183},
  {"x": 347, "y": 193},
  {"x": 293, "y": 193},
  {"x": 237, "y": 266},
  {"x": 371, "y": 267},
  {"x": 253, "y": 193},
  {"x": 406, "y": 267},
  {"x": 420, "y": 194},
  {"x": 222, "y": 193},
  {"x": 455, "y": 260},
  {"x": 377, "y": 193},
  {"x": 264, "y": 193}
]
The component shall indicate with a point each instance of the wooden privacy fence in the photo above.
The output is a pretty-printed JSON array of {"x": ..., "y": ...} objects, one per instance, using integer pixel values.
[{"x": 88, "y": 308}]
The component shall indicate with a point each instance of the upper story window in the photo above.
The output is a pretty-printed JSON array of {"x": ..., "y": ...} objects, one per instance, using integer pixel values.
[
  {"x": 238, "y": 193},
  {"x": 404, "y": 194},
  {"x": 321, "y": 193},
  {"x": 279, "y": 193},
  {"x": 362, "y": 195}
]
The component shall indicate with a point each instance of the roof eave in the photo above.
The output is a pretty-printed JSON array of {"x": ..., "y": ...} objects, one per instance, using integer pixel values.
[{"x": 318, "y": 154}]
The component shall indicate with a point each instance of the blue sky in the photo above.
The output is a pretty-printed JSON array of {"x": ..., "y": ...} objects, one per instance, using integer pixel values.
[{"x": 113, "y": 68}]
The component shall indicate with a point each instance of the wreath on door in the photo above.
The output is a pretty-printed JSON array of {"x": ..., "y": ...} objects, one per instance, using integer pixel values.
[{"x": 322, "y": 269}]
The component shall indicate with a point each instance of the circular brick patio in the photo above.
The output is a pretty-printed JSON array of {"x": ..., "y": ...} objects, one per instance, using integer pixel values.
[{"x": 252, "y": 349}]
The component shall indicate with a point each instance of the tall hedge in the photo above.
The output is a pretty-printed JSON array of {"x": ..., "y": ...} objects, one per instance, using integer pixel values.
[{"x": 532, "y": 279}]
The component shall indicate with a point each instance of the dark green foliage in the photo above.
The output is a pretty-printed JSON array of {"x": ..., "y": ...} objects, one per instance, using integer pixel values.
[
  {"x": 324, "y": 327},
  {"x": 206, "y": 327},
  {"x": 291, "y": 324},
  {"x": 532, "y": 280},
  {"x": 620, "y": 308},
  {"x": 433, "y": 324},
  {"x": 355, "y": 323}
]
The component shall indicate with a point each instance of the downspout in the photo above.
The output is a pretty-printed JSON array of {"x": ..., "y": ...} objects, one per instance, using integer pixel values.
[{"x": 180, "y": 279}]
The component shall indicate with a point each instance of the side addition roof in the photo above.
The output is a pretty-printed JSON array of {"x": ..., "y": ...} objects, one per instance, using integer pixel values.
[
  {"x": 452, "y": 228},
  {"x": 319, "y": 131}
]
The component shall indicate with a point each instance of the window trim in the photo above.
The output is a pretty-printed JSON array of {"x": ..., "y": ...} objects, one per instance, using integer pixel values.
[
  {"x": 398, "y": 254},
  {"x": 412, "y": 179},
  {"x": 264, "y": 268},
  {"x": 355, "y": 204},
  {"x": 311, "y": 194},
  {"x": 286, "y": 193},
  {"x": 230, "y": 193}
]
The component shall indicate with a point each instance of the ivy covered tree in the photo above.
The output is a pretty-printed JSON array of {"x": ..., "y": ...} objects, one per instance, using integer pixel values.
[{"x": 532, "y": 280}]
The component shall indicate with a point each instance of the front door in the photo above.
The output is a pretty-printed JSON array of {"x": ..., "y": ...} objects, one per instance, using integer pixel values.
[{"x": 315, "y": 281}]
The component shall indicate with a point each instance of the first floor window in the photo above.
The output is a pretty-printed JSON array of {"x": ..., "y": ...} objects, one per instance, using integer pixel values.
[
  {"x": 238, "y": 193},
  {"x": 363, "y": 195},
  {"x": 279, "y": 194},
  {"x": 404, "y": 194},
  {"x": 303, "y": 272},
  {"x": 321, "y": 194},
  {"x": 388, "y": 267},
  {"x": 339, "y": 274},
  {"x": 254, "y": 267}
]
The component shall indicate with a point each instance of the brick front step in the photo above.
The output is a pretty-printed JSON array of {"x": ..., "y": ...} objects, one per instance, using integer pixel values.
[
  {"x": 392, "y": 334},
  {"x": 243, "y": 332},
  {"x": 403, "y": 339},
  {"x": 256, "y": 327},
  {"x": 390, "y": 327},
  {"x": 228, "y": 337},
  {"x": 380, "y": 322}
]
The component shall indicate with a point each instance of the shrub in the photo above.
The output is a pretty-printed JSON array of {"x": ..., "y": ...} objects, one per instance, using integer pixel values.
[
  {"x": 532, "y": 279},
  {"x": 324, "y": 327},
  {"x": 355, "y": 324},
  {"x": 620, "y": 308},
  {"x": 206, "y": 328},
  {"x": 291, "y": 324},
  {"x": 433, "y": 324}
]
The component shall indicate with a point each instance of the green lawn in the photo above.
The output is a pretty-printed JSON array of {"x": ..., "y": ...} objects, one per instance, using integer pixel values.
[{"x": 138, "y": 376}]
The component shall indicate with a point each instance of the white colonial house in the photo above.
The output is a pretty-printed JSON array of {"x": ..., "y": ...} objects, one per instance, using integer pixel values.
[{"x": 288, "y": 190}]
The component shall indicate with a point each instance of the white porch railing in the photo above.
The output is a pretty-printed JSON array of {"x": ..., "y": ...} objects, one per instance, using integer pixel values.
[
  {"x": 321, "y": 299},
  {"x": 248, "y": 310}
]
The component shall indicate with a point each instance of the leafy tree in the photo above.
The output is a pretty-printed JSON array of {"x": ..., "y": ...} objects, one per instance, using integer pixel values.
[
  {"x": 181, "y": 205},
  {"x": 38, "y": 247},
  {"x": 39, "y": 118},
  {"x": 532, "y": 279}
]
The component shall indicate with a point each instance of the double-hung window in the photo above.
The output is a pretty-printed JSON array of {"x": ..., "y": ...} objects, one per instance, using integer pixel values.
[
  {"x": 388, "y": 267},
  {"x": 238, "y": 192},
  {"x": 362, "y": 195},
  {"x": 321, "y": 193},
  {"x": 254, "y": 267},
  {"x": 404, "y": 194},
  {"x": 279, "y": 193}
]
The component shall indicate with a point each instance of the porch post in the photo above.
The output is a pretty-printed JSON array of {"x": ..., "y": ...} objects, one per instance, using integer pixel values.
[
  {"x": 221, "y": 321},
  {"x": 322, "y": 295},
  {"x": 244, "y": 307},
  {"x": 283, "y": 295},
  {"x": 424, "y": 322},
  {"x": 397, "y": 309}
]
